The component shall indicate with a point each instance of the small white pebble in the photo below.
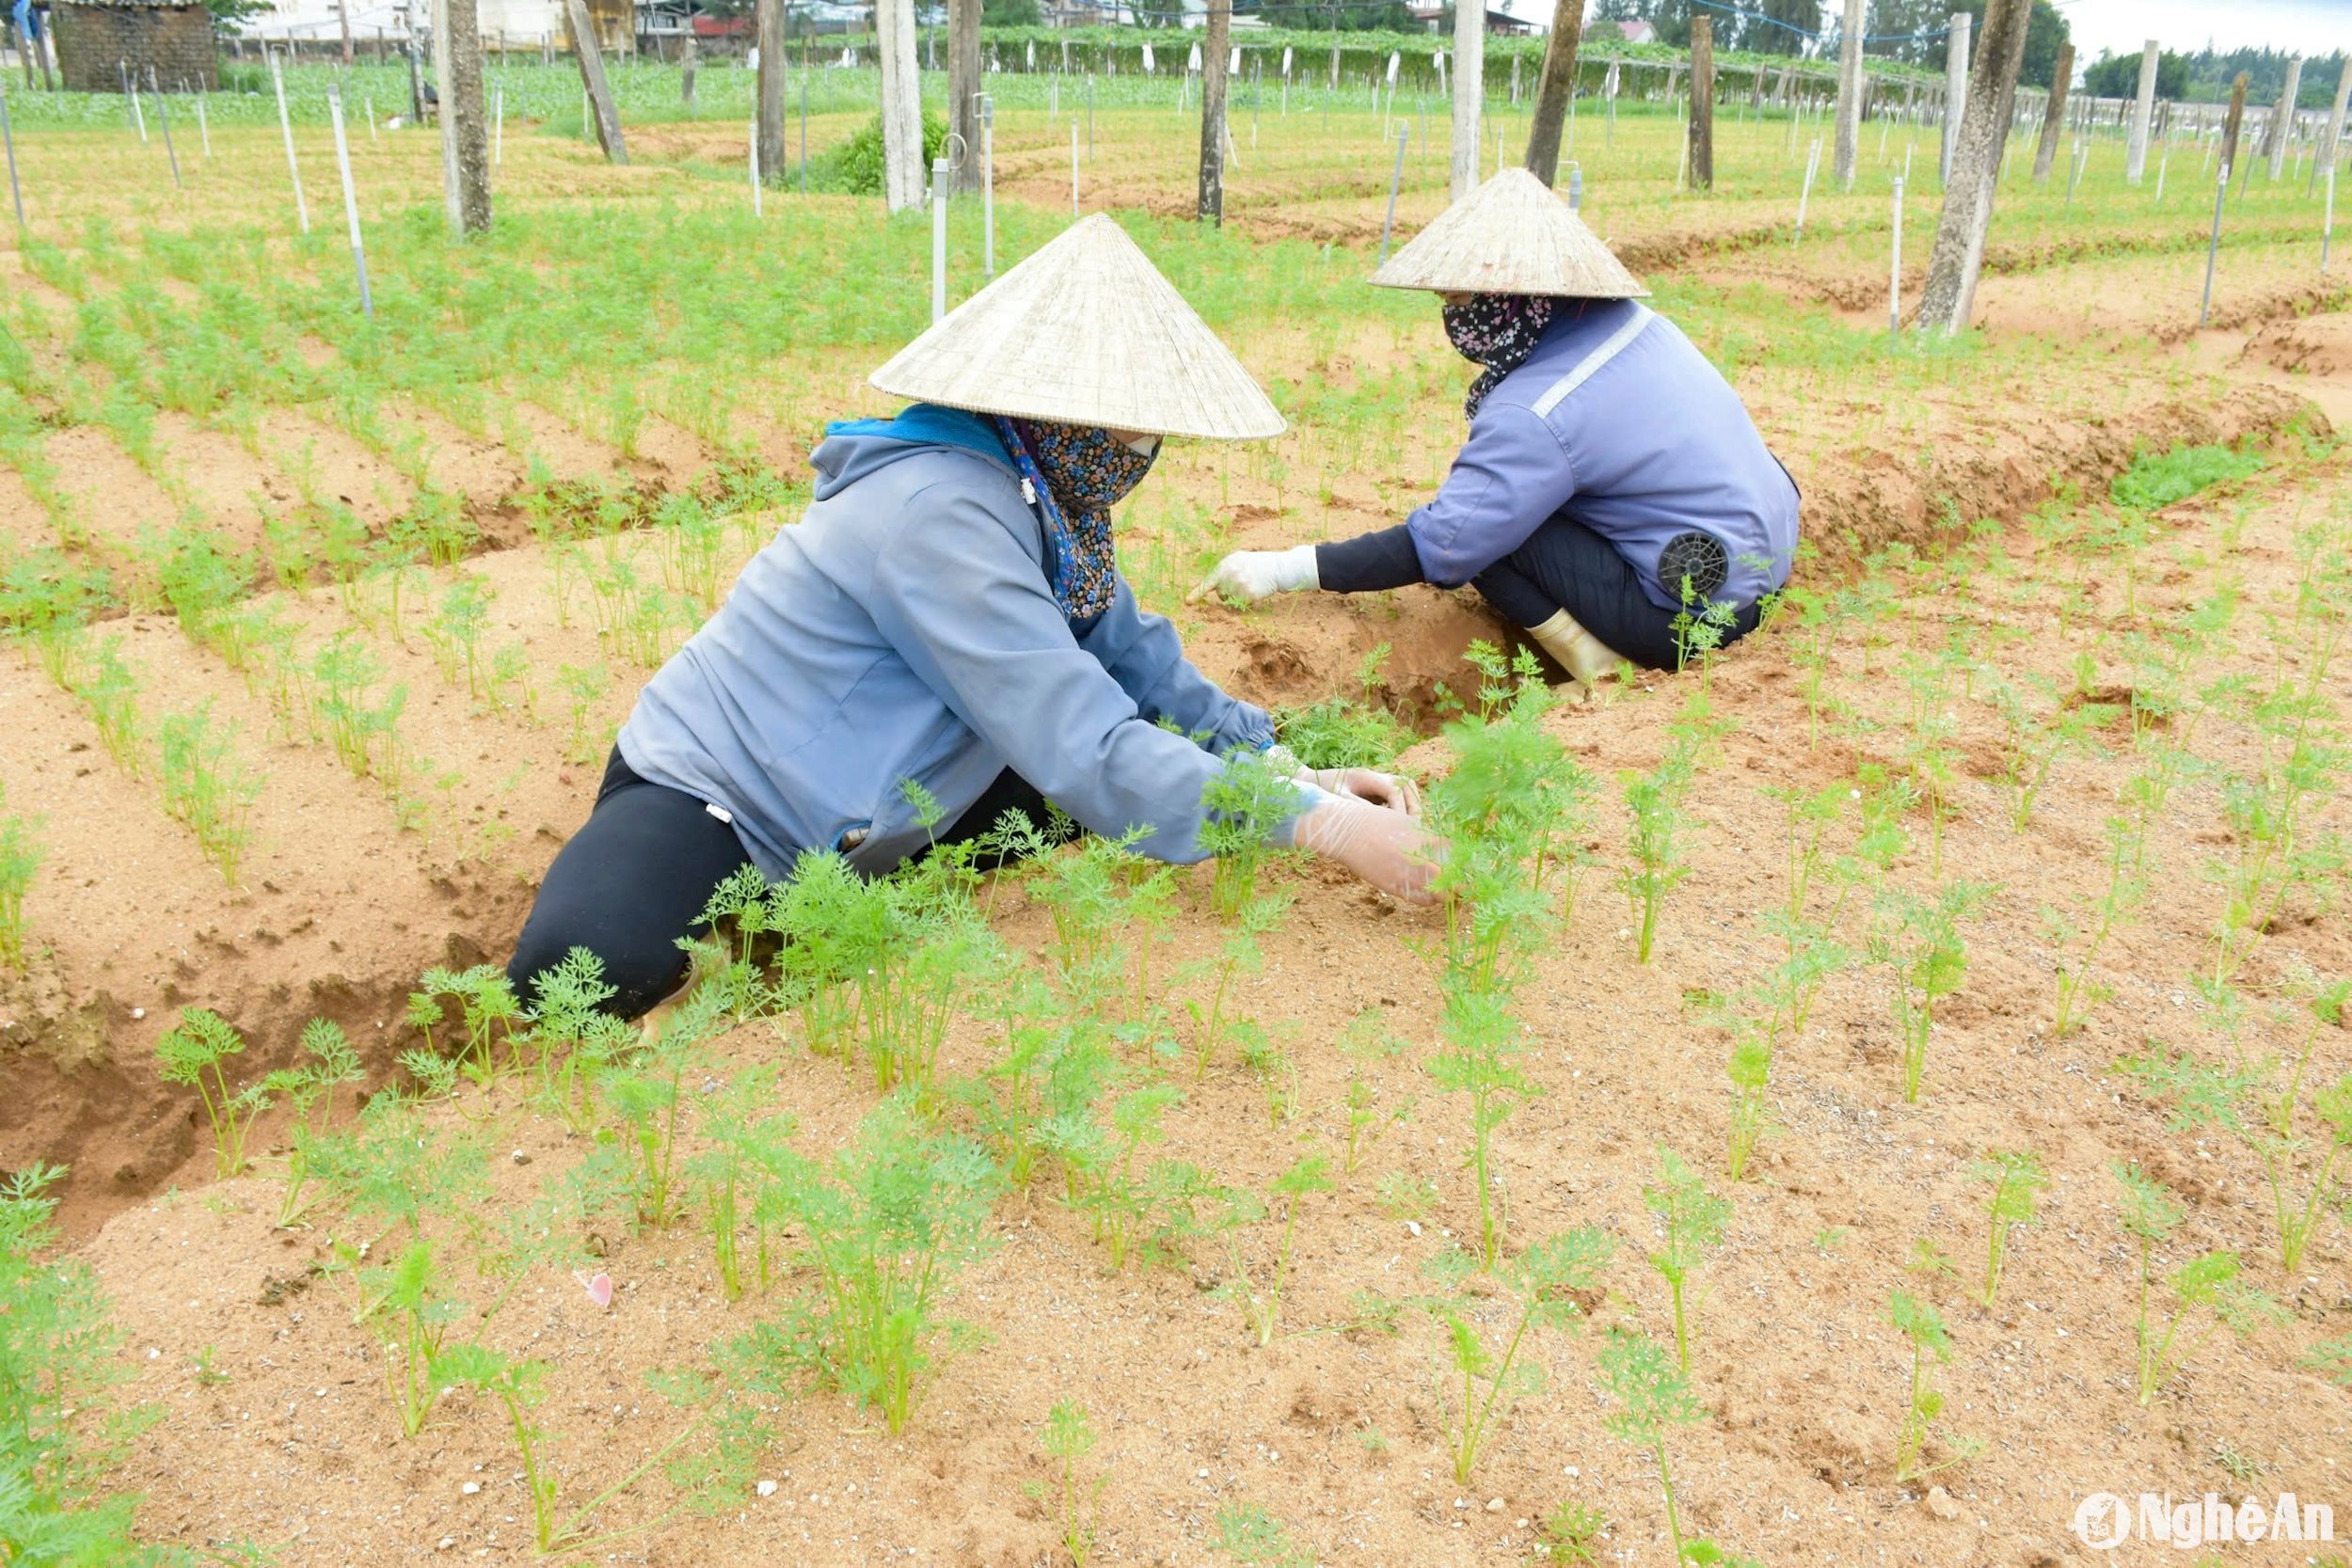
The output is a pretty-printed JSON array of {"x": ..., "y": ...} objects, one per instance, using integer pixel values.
[
  {"x": 1201, "y": 1474},
  {"x": 767, "y": 1488},
  {"x": 138, "y": 1013},
  {"x": 1494, "y": 1505},
  {"x": 1461, "y": 1503},
  {"x": 471, "y": 1488},
  {"x": 445, "y": 1543},
  {"x": 1413, "y": 1226}
]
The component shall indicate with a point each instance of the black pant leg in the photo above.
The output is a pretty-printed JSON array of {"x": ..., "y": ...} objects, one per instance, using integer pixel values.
[
  {"x": 625, "y": 887},
  {"x": 1010, "y": 791},
  {"x": 1565, "y": 565}
]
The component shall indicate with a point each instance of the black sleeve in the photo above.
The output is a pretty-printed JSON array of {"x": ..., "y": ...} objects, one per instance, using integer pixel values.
[{"x": 1382, "y": 559}]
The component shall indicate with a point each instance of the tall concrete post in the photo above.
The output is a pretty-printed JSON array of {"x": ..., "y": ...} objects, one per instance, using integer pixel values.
[
  {"x": 2054, "y": 114},
  {"x": 2335, "y": 125},
  {"x": 1470, "y": 80},
  {"x": 768, "y": 18},
  {"x": 2234, "y": 123},
  {"x": 1955, "y": 89},
  {"x": 1975, "y": 166},
  {"x": 1213, "y": 69},
  {"x": 1849, "y": 92},
  {"x": 465, "y": 134},
  {"x": 963, "y": 89},
  {"x": 1555, "y": 89},
  {"x": 2143, "y": 113},
  {"x": 1702, "y": 131},
  {"x": 904, "y": 173},
  {"x": 2283, "y": 118}
]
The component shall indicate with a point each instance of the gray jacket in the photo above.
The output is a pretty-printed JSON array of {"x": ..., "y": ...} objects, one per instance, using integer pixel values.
[{"x": 905, "y": 629}]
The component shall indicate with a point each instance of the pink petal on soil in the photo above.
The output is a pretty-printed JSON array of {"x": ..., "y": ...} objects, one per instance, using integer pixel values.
[{"x": 600, "y": 1288}]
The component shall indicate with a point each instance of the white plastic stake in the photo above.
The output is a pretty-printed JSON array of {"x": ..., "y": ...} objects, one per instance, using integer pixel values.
[
  {"x": 285, "y": 126},
  {"x": 1895, "y": 269},
  {"x": 370, "y": 101},
  {"x": 2327, "y": 227},
  {"x": 137, "y": 117},
  {"x": 939, "y": 237},
  {"x": 1804, "y": 198},
  {"x": 204, "y": 131},
  {"x": 351, "y": 200},
  {"x": 1073, "y": 170}
]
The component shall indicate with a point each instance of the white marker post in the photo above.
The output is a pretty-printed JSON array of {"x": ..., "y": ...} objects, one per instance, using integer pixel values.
[
  {"x": 351, "y": 199},
  {"x": 285, "y": 127},
  {"x": 1804, "y": 198},
  {"x": 138, "y": 118},
  {"x": 2213, "y": 246},
  {"x": 1396, "y": 177},
  {"x": 939, "y": 237},
  {"x": 369, "y": 101},
  {"x": 7, "y": 137},
  {"x": 1895, "y": 270},
  {"x": 204, "y": 131},
  {"x": 2326, "y": 224},
  {"x": 1073, "y": 172}
]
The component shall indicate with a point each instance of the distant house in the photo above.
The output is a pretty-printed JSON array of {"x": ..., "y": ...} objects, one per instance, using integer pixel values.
[
  {"x": 103, "y": 45},
  {"x": 1501, "y": 22},
  {"x": 1637, "y": 32}
]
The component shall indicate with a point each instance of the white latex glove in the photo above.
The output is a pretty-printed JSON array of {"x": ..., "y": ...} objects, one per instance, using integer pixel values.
[
  {"x": 1246, "y": 576},
  {"x": 1391, "y": 791},
  {"x": 1386, "y": 848}
]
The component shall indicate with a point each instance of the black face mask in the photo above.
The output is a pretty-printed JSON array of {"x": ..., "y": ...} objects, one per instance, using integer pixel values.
[{"x": 1497, "y": 331}]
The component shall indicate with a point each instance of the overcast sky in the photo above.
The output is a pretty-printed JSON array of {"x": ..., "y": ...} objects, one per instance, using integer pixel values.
[{"x": 2122, "y": 27}]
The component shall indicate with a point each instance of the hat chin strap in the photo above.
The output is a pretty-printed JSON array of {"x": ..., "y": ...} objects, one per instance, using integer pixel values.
[{"x": 1577, "y": 651}]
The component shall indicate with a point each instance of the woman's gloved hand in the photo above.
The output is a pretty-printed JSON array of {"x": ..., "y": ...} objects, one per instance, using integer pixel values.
[
  {"x": 1246, "y": 576},
  {"x": 1392, "y": 791},
  {"x": 1386, "y": 847}
]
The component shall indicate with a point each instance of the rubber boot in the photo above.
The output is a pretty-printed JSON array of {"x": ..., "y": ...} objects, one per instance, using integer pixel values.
[{"x": 1580, "y": 653}]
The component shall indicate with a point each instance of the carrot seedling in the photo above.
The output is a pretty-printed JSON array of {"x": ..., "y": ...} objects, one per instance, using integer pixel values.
[
  {"x": 195, "y": 1053},
  {"x": 1544, "y": 1282},
  {"x": 1656, "y": 861},
  {"x": 333, "y": 1063},
  {"x": 1930, "y": 1343},
  {"x": 1067, "y": 1438},
  {"x": 1918, "y": 940},
  {"x": 1479, "y": 1060},
  {"x": 1693, "y": 1221},
  {"x": 2015, "y": 1176},
  {"x": 21, "y": 855},
  {"x": 1242, "y": 803},
  {"x": 887, "y": 1223},
  {"x": 1654, "y": 1397},
  {"x": 1263, "y": 1307},
  {"x": 2209, "y": 1281}
]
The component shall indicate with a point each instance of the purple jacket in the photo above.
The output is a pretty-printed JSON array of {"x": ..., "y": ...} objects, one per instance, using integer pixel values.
[{"x": 1618, "y": 422}]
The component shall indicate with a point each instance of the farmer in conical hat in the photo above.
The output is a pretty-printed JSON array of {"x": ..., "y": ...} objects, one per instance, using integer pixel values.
[
  {"x": 1614, "y": 500},
  {"x": 950, "y": 614}
]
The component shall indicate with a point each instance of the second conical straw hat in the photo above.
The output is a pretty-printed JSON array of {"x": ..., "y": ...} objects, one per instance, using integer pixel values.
[
  {"x": 1085, "y": 331},
  {"x": 1510, "y": 236}
]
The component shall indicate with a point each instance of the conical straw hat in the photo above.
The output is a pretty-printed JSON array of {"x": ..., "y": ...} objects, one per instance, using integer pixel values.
[
  {"x": 1510, "y": 236},
  {"x": 1085, "y": 332}
]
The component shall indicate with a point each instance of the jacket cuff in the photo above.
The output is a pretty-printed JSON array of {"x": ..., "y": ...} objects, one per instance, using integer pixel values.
[{"x": 1385, "y": 558}]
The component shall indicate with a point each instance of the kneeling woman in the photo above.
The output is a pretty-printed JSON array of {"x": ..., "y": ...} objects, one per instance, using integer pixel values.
[
  {"x": 1613, "y": 500},
  {"x": 951, "y": 613}
]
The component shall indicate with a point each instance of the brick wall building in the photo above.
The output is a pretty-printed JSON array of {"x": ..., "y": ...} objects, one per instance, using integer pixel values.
[{"x": 96, "y": 40}]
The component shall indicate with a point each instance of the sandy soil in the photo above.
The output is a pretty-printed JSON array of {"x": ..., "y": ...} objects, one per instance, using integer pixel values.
[{"x": 1338, "y": 1433}]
